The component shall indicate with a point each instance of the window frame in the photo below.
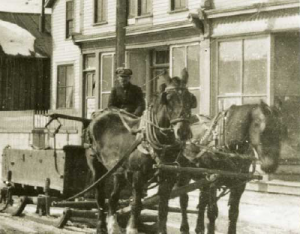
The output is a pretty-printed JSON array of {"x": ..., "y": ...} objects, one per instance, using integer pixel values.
[
  {"x": 65, "y": 66},
  {"x": 68, "y": 34},
  {"x": 104, "y": 10}
]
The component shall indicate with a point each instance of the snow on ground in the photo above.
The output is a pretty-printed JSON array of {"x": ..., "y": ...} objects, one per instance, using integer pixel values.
[{"x": 15, "y": 39}]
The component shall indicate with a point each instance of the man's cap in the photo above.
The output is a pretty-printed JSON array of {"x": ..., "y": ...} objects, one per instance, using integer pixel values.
[{"x": 121, "y": 71}]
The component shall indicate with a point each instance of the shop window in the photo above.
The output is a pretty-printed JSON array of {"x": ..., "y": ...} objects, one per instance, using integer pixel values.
[
  {"x": 100, "y": 11},
  {"x": 160, "y": 64},
  {"x": 106, "y": 78},
  {"x": 137, "y": 61},
  {"x": 188, "y": 56},
  {"x": 178, "y": 5},
  {"x": 287, "y": 89},
  {"x": 69, "y": 18},
  {"x": 65, "y": 86},
  {"x": 144, "y": 7},
  {"x": 242, "y": 72}
]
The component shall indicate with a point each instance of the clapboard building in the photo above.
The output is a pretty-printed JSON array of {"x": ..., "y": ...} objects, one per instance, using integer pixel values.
[{"x": 236, "y": 52}]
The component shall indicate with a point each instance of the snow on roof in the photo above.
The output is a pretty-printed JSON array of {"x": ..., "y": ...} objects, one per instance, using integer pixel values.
[
  {"x": 15, "y": 40},
  {"x": 21, "y": 6}
]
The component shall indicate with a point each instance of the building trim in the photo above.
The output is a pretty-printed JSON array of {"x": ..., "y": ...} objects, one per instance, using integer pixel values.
[{"x": 255, "y": 8}]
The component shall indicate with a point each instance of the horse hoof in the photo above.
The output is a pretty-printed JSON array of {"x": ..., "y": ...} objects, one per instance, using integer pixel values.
[{"x": 130, "y": 230}]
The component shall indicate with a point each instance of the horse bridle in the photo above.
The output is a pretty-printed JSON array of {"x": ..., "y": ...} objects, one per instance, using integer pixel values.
[{"x": 180, "y": 118}]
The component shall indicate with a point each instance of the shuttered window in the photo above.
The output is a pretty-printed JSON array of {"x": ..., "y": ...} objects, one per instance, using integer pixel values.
[
  {"x": 178, "y": 4},
  {"x": 100, "y": 11},
  {"x": 65, "y": 86},
  {"x": 69, "y": 18}
]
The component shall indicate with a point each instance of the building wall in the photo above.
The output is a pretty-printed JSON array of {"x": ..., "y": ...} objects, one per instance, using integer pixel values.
[
  {"x": 217, "y": 4},
  {"x": 64, "y": 50}
]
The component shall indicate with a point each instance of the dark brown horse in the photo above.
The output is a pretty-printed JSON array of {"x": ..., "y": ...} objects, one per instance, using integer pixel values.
[
  {"x": 245, "y": 129},
  {"x": 111, "y": 135}
]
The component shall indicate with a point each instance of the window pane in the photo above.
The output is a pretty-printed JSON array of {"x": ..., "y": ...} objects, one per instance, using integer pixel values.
[
  {"x": 61, "y": 98},
  {"x": 158, "y": 80},
  {"x": 138, "y": 64},
  {"x": 225, "y": 103},
  {"x": 69, "y": 10},
  {"x": 89, "y": 61},
  {"x": 105, "y": 98},
  {"x": 61, "y": 76},
  {"x": 255, "y": 66},
  {"x": 107, "y": 66},
  {"x": 162, "y": 57},
  {"x": 70, "y": 76},
  {"x": 90, "y": 84},
  {"x": 69, "y": 97},
  {"x": 193, "y": 65},
  {"x": 100, "y": 10},
  {"x": 178, "y": 58},
  {"x": 230, "y": 61},
  {"x": 69, "y": 28}
]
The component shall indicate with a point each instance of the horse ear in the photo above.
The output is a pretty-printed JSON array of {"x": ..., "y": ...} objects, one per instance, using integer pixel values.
[
  {"x": 265, "y": 107},
  {"x": 165, "y": 75},
  {"x": 278, "y": 104},
  {"x": 184, "y": 76}
]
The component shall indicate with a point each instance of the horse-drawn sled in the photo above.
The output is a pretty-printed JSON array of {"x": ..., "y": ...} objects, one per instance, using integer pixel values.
[{"x": 164, "y": 148}]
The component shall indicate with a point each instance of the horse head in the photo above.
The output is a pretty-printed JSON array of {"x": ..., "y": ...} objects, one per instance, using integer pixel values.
[
  {"x": 173, "y": 106},
  {"x": 266, "y": 133}
]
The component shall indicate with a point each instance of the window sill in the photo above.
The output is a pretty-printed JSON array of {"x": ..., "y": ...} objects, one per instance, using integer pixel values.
[
  {"x": 144, "y": 16},
  {"x": 100, "y": 23},
  {"x": 178, "y": 11}
]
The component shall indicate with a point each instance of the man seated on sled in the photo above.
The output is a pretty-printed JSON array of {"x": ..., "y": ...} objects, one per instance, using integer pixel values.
[{"x": 126, "y": 95}]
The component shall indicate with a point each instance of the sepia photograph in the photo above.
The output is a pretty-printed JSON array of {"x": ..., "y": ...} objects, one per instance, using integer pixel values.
[{"x": 150, "y": 116}]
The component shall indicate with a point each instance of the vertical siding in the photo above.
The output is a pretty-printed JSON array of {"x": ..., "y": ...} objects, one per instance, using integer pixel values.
[{"x": 64, "y": 50}]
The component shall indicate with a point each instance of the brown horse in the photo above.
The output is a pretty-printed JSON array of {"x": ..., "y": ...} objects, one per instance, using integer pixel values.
[
  {"x": 111, "y": 135},
  {"x": 246, "y": 129}
]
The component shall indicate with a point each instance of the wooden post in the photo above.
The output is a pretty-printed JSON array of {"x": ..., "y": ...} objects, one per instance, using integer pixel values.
[{"x": 121, "y": 33}]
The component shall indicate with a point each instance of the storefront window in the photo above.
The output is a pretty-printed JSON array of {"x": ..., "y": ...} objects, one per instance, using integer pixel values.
[
  {"x": 188, "y": 56},
  {"x": 242, "y": 72},
  {"x": 106, "y": 78}
]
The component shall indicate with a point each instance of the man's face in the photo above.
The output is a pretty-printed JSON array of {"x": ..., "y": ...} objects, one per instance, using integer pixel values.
[{"x": 124, "y": 80}]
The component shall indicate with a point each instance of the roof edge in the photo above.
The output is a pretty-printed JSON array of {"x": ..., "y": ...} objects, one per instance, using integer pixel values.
[{"x": 49, "y": 3}]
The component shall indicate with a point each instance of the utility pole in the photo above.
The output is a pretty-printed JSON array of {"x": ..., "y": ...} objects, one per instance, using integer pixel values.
[
  {"x": 121, "y": 33},
  {"x": 42, "y": 18}
]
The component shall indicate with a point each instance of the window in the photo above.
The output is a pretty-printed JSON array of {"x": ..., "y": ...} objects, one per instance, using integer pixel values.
[
  {"x": 69, "y": 18},
  {"x": 106, "y": 77},
  {"x": 131, "y": 5},
  {"x": 178, "y": 5},
  {"x": 188, "y": 56},
  {"x": 144, "y": 7},
  {"x": 242, "y": 72},
  {"x": 65, "y": 86},
  {"x": 100, "y": 11},
  {"x": 160, "y": 63}
]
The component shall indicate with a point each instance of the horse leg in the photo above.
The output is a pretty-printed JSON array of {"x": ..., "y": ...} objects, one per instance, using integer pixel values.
[
  {"x": 97, "y": 171},
  {"x": 164, "y": 191},
  {"x": 212, "y": 210},
  {"x": 203, "y": 202},
  {"x": 136, "y": 205},
  {"x": 234, "y": 202},
  {"x": 184, "y": 201},
  {"x": 118, "y": 183}
]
